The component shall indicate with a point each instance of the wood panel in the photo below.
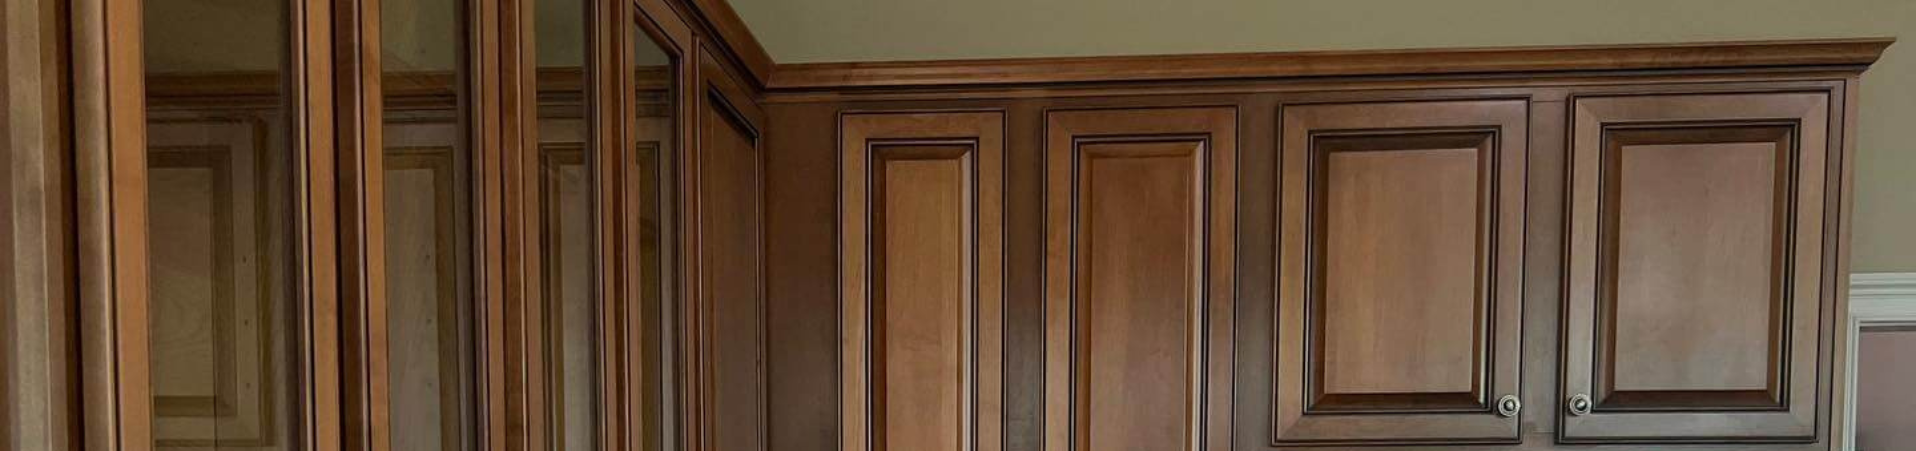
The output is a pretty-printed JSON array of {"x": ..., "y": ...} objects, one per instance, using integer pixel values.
[
  {"x": 1696, "y": 267},
  {"x": 1401, "y": 248},
  {"x": 921, "y": 292},
  {"x": 1401, "y": 251},
  {"x": 218, "y": 300},
  {"x": 732, "y": 299},
  {"x": 423, "y": 213},
  {"x": 1140, "y": 231}
]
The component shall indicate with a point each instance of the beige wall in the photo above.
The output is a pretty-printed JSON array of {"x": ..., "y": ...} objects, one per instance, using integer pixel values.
[{"x": 867, "y": 30}]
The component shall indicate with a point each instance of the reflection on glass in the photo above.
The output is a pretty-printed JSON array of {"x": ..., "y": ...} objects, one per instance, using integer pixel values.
[
  {"x": 566, "y": 178},
  {"x": 428, "y": 216},
  {"x": 647, "y": 183},
  {"x": 222, "y": 306}
]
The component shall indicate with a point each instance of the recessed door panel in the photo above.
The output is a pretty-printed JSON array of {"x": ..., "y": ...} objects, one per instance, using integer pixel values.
[
  {"x": 1138, "y": 295},
  {"x": 731, "y": 221},
  {"x": 922, "y": 307},
  {"x": 1401, "y": 253},
  {"x": 1695, "y": 259}
]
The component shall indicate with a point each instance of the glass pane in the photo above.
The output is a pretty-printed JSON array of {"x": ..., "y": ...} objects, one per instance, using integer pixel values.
[
  {"x": 429, "y": 226},
  {"x": 1885, "y": 388},
  {"x": 648, "y": 183},
  {"x": 223, "y": 308},
  {"x": 566, "y": 203}
]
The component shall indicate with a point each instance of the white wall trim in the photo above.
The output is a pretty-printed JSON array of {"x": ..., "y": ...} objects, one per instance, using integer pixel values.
[
  {"x": 1882, "y": 294},
  {"x": 1874, "y": 298}
]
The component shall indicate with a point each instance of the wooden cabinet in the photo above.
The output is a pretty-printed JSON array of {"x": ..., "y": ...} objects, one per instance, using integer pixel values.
[
  {"x": 1697, "y": 256},
  {"x": 732, "y": 300},
  {"x": 1399, "y": 272},
  {"x": 1139, "y": 278},
  {"x": 921, "y": 292}
]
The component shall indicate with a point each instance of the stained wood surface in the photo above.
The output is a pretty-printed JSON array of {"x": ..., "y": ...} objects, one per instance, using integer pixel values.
[
  {"x": 988, "y": 72},
  {"x": 1400, "y": 254},
  {"x": 1139, "y": 238},
  {"x": 922, "y": 298},
  {"x": 1697, "y": 260}
]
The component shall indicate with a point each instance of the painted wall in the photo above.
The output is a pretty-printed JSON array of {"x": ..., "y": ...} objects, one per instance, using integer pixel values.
[{"x": 865, "y": 30}]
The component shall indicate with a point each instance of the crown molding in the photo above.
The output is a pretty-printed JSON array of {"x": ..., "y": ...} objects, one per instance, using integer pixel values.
[
  {"x": 1883, "y": 294},
  {"x": 1855, "y": 54},
  {"x": 737, "y": 38}
]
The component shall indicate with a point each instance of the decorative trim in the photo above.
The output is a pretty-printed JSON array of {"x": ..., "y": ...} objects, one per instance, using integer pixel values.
[
  {"x": 1824, "y": 53},
  {"x": 1875, "y": 294},
  {"x": 719, "y": 16},
  {"x": 1874, "y": 298}
]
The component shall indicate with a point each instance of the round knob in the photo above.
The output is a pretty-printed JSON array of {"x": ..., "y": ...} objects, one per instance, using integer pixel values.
[
  {"x": 1508, "y": 406},
  {"x": 1579, "y": 405}
]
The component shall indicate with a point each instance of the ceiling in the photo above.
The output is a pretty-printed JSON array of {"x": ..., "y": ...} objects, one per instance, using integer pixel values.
[{"x": 795, "y": 31}]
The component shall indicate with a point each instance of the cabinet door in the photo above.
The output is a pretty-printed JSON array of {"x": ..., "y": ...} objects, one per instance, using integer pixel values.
[
  {"x": 729, "y": 175},
  {"x": 1400, "y": 262},
  {"x": 1696, "y": 252},
  {"x": 921, "y": 307},
  {"x": 1139, "y": 239}
]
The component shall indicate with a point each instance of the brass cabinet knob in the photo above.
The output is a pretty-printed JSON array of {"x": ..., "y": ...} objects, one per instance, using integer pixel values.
[
  {"x": 1508, "y": 406},
  {"x": 1578, "y": 405}
]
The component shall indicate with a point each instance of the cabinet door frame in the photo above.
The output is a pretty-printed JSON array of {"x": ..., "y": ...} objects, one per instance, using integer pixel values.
[
  {"x": 1802, "y": 280},
  {"x": 725, "y": 95},
  {"x": 982, "y": 135},
  {"x": 1210, "y": 367},
  {"x": 1503, "y": 126},
  {"x": 111, "y": 271}
]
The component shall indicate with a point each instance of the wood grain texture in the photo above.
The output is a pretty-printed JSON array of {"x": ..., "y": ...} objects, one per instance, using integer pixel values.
[
  {"x": 732, "y": 297},
  {"x": 1401, "y": 248},
  {"x": 922, "y": 306},
  {"x": 955, "y": 73},
  {"x": 40, "y": 366},
  {"x": 1140, "y": 259},
  {"x": 1732, "y": 302}
]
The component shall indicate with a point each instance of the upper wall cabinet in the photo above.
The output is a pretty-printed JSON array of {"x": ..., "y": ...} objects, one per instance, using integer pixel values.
[
  {"x": 1399, "y": 266},
  {"x": 1697, "y": 257},
  {"x": 1139, "y": 258}
]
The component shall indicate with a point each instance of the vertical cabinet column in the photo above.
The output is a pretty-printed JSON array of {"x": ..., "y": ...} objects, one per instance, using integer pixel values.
[
  {"x": 1399, "y": 272},
  {"x": 922, "y": 221},
  {"x": 1697, "y": 264},
  {"x": 729, "y": 330},
  {"x": 1140, "y": 246}
]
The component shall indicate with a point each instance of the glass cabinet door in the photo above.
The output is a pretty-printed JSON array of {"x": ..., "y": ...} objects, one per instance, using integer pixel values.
[
  {"x": 222, "y": 310},
  {"x": 429, "y": 178},
  {"x": 604, "y": 135},
  {"x": 380, "y": 225}
]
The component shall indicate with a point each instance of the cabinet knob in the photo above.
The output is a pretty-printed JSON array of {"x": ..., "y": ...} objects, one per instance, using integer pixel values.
[
  {"x": 1578, "y": 405},
  {"x": 1508, "y": 406}
]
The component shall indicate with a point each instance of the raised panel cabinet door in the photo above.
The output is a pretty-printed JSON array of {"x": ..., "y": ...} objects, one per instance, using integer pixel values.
[
  {"x": 732, "y": 321},
  {"x": 1400, "y": 264},
  {"x": 922, "y": 301},
  {"x": 1696, "y": 267},
  {"x": 1140, "y": 246}
]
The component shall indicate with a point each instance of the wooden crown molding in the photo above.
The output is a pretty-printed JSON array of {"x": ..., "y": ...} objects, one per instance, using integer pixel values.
[
  {"x": 1857, "y": 53},
  {"x": 223, "y": 88},
  {"x": 737, "y": 38}
]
